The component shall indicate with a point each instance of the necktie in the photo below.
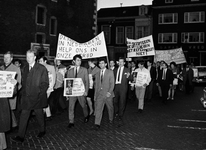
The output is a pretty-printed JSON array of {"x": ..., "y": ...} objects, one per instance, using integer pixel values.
[
  {"x": 102, "y": 75},
  {"x": 118, "y": 79},
  {"x": 30, "y": 67},
  {"x": 76, "y": 72},
  {"x": 164, "y": 75}
]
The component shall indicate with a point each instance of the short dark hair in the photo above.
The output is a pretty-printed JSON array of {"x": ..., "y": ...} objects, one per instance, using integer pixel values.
[
  {"x": 17, "y": 60},
  {"x": 44, "y": 58},
  {"x": 77, "y": 56},
  {"x": 150, "y": 61},
  {"x": 121, "y": 58},
  {"x": 32, "y": 51},
  {"x": 164, "y": 63},
  {"x": 10, "y": 53},
  {"x": 141, "y": 62},
  {"x": 94, "y": 61},
  {"x": 173, "y": 63},
  {"x": 103, "y": 59}
]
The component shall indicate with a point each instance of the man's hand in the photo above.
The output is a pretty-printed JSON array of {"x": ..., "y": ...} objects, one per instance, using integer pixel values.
[
  {"x": 128, "y": 74},
  {"x": 108, "y": 94},
  {"x": 85, "y": 93},
  {"x": 13, "y": 81},
  {"x": 157, "y": 84},
  {"x": 144, "y": 85}
]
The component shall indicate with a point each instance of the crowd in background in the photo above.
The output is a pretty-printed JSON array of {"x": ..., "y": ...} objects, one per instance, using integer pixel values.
[{"x": 110, "y": 83}]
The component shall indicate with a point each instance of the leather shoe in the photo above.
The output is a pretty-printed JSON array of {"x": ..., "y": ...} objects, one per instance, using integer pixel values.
[
  {"x": 17, "y": 139},
  {"x": 41, "y": 134},
  {"x": 140, "y": 110},
  {"x": 96, "y": 127},
  {"x": 86, "y": 119},
  {"x": 70, "y": 125}
]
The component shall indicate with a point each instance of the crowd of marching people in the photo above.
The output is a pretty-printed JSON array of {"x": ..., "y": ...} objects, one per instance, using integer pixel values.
[{"x": 39, "y": 88}]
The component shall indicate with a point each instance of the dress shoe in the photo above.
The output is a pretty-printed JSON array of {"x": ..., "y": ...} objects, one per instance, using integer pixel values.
[
  {"x": 96, "y": 127},
  {"x": 86, "y": 119},
  {"x": 41, "y": 134},
  {"x": 17, "y": 139},
  {"x": 70, "y": 125},
  {"x": 48, "y": 118},
  {"x": 111, "y": 121},
  {"x": 140, "y": 110}
]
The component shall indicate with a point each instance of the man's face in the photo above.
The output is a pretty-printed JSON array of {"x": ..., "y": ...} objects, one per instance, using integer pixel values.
[
  {"x": 164, "y": 66},
  {"x": 121, "y": 62},
  {"x": 41, "y": 61},
  {"x": 30, "y": 57},
  {"x": 16, "y": 63},
  {"x": 91, "y": 64},
  {"x": 58, "y": 62},
  {"x": 102, "y": 64},
  {"x": 7, "y": 59},
  {"x": 149, "y": 64},
  {"x": 77, "y": 61},
  {"x": 140, "y": 66},
  {"x": 111, "y": 63},
  {"x": 133, "y": 64}
]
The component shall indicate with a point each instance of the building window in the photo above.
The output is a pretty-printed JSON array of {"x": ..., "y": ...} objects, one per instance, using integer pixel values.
[
  {"x": 194, "y": 0},
  {"x": 53, "y": 26},
  {"x": 54, "y": 0},
  {"x": 40, "y": 38},
  {"x": 40, "y": 15},
  {"x": 107, "y": 33},
  {"x": 194, "y": 17},
  {"x": 142, "y": 31},
  {"x": 129, "y": 32},
  {"x": 120, "y": 35},
  {"x": 168, "y": 1},
  {"x": 167, "y": 38},
  {"x": 193, "y": 37},
  {"x": 168, "y": 18},
  {"x": 143, "y": 10}
]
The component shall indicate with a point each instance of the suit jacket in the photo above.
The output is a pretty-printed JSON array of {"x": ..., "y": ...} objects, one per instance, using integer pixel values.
[
  {"x": 51, "y": 71},
  {"x": 107, "y": 84},
  {"x": 34, "y": 87},
  {"x": 82, "y": 73},
  {"x": 124, "y": 81},
  {"x": 153, "y": 73},
  {"x": 188, "y": 75},
  {"x": 169, "y": 77}
]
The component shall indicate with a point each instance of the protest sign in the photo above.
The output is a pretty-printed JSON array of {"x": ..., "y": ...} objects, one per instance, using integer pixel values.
[
  {"x": 51, "y": 82},
  {"x": 94, "y": 48},
  {"x": 6, "y": 87},
  {"x": 141, "y": 47},
  {"x": 171, "y": 55},
  {"x": 73, "y": 87},
  {"x": 141, "y": 78}
]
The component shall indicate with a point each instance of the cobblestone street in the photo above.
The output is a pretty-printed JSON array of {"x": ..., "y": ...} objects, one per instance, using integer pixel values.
[{"x": 181, "y": 124}]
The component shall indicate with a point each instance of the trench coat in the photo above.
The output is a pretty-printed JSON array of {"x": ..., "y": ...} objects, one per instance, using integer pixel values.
[
  {"x": 5, "y": 118},
  {"x": 34, "y": 87}
]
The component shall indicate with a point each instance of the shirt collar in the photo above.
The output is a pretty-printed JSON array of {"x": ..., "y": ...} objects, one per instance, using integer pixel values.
[{"x": 32, "y": 65}]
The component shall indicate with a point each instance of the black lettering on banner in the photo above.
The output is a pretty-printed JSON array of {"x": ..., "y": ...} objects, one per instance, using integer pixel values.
[
  {"x": 94, "y": 49},
  {"x": 141, "y": 53},
  {"x": 64, "y": 55}
]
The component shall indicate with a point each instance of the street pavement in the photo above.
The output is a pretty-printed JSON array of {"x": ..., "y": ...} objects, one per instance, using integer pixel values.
[{"x": 178, "y": 125}]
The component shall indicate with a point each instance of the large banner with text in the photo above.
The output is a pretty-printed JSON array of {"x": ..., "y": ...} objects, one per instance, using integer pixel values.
[
  {"x": 6, "y": 87},
  {"x": 171, "y": 55},
  {"x": 140, "y": 47},
  {"x": 94, "y": 48}
]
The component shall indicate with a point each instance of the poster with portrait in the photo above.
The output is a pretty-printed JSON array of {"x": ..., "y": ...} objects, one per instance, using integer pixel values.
[
  {"x": 73, "y": 87},
  {"x": 51, "y": 82},
  {"x": 141, "y": 78},
  {"x": 6, "y": 87}
]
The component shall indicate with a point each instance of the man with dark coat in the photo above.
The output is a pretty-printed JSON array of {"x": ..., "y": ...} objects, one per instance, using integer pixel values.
[{"x": 35, "y": 83}]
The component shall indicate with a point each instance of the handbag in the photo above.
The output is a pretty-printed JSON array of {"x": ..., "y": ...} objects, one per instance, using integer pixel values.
[{"x": 175, "y": 81}]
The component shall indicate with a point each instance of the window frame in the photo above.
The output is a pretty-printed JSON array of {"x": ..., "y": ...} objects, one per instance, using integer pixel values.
[
  {"x": 201, "y": 20},
  {"x": 55, "y": 26},
  {"x": 168, "y": 1},
  {"x": 126, "y": 29},
  {"x": 43, "y": 39},
  {"x": 44, "y": 19},
  {"x": 183, "y": 40},
  {"x": 122, "y": 27},
  {"x": 109, "y": 27},
  {"x": 162, "y": 16},
  {"x": 174, "y": 36}
]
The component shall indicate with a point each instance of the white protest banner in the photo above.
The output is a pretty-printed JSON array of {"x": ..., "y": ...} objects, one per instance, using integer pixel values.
[
  {"x": 6, "y": 87},
  {"x": 73, "y": 87},
  {"x": 141, "y": 47},
  {"x": 171, "y": 55},
  {"x": 141, "y": 78},
  {"x": 94, "y": 48}
]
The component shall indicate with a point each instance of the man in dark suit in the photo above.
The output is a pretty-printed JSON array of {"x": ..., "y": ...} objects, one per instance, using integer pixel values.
[
  {"x": 153, "y": 74},
  {"x": 121, "y": 75},
  {"x": 78, "y": 72},
  {"x": 131, "y": 91},
  {"x": 104, "y": 92},
  {"x": 165, "y": 80},
  {"x": 35, "y": 83}
]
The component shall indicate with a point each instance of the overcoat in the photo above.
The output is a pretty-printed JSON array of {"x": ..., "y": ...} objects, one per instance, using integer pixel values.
[
  {"x": 34, "y": 87},
  {"x": 4, "y": 115}
]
